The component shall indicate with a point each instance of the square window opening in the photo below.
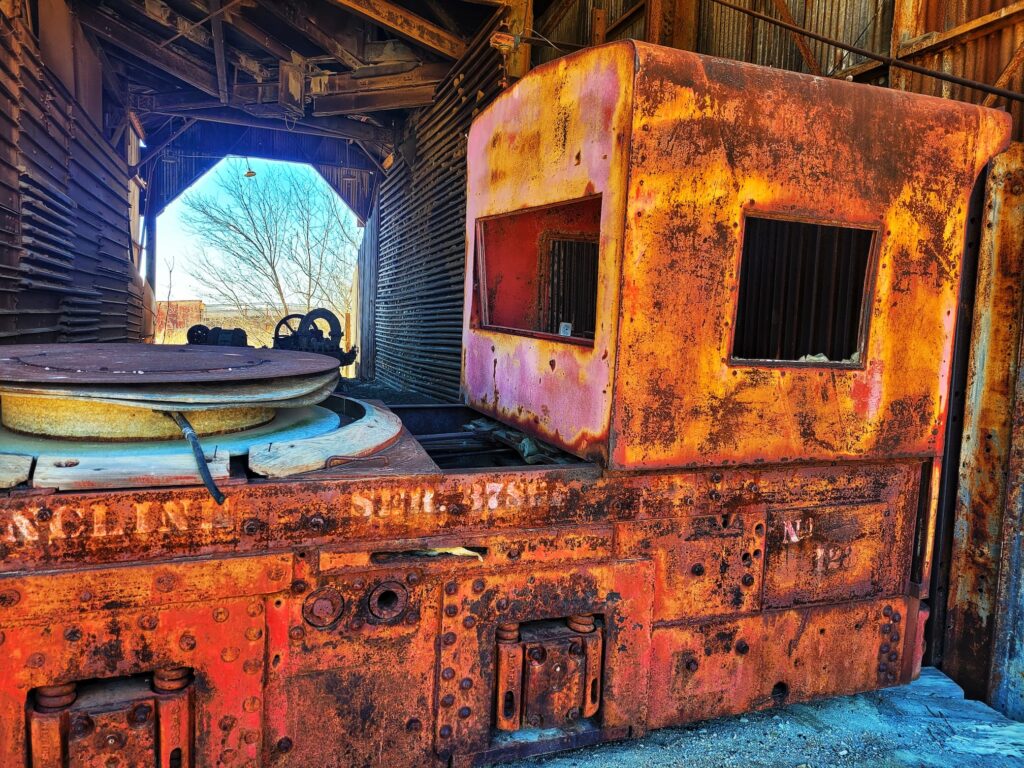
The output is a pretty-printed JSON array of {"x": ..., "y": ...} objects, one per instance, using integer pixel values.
[
  {"x": 802, "y": 293},
  {"x": 537, "y": 271}
]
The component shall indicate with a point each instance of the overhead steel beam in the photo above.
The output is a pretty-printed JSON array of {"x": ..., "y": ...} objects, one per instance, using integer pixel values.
[
  {"x": 406, "y": 24},
  {"x": 373, "y": 101},
  {"x": 425, "y": 74},
  {"x": 342, "y": 46},
  {"x": 338, "y": 128},
  {"x": 144, "y": 47},
  {"x": 217, "y": 30}
]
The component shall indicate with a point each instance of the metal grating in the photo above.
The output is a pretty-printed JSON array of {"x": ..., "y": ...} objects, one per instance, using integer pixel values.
[
  {"x": 801, "y": 292},
  {"x": 571, "y": 295}
]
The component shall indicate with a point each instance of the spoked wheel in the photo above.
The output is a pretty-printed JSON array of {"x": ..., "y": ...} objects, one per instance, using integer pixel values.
[{"x": 286, "y": 327}]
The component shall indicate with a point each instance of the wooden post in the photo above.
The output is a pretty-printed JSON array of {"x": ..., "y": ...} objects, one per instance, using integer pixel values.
[
  {"x": 686, "y": 24},
  {"x": 598, "y": 25},
  {"x": 150, "y": 224}
]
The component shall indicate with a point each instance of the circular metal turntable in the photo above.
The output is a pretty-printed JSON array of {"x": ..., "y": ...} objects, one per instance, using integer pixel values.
[
  {"x": 125, "y": 391},
  {"x": 140, "y": 364}
]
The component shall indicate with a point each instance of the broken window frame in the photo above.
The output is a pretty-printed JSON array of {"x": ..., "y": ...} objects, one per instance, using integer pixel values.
[{"x": 859, "y": 355}]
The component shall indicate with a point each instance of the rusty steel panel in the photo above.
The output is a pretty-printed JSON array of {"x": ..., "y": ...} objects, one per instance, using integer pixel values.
[
  {"x": 315, "y": 595},
  {"x": 681, "y": 126},
  {"x": 735, "y": 665},
  {"x": 983, "y": 551},
  {"x": 694, "y": 126}
]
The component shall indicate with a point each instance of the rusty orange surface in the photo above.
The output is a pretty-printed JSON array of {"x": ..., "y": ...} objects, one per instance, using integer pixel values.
[
  {"x": 682, "y": 149},
  {"x": 778, "y": 553}
]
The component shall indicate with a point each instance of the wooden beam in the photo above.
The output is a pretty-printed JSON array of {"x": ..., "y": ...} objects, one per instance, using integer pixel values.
[
  {"x": 264, "y": 40},
  {"x": 217, "y": 30},
  {"x": 425, "y": 74},
  {"x": 686, "y": 24},
  {"x": 520, "y": 22},
  {"x": 441, "y": 14},
  {"x": 408, "y": 25},
  {"x": 144, "y": 47},
  {"x": 338, "y": 128},
  {"x": 153, "y": 152},
  {"x": 982, "y": 25},
  {"x": 342, "y": 46},
  {"x": 374, "y": 101},
  {"x": 801, "y": 42},
  {"x": 1006, "y": 75}
]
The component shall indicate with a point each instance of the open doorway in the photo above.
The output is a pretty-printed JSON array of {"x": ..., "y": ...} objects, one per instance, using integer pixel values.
[{"x": 253, "y": 242}]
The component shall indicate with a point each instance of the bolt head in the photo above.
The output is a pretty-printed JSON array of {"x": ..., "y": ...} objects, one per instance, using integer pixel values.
[{"x": 284, "y": 744}]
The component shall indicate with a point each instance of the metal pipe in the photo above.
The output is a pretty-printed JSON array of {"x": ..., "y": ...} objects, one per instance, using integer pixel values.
[
  {"x": 888, "y": 60},
  {"x": 197, "y": 451}
]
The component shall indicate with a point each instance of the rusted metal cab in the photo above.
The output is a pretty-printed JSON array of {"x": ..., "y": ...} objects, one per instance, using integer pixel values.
[{"x": 679, "y": 261}]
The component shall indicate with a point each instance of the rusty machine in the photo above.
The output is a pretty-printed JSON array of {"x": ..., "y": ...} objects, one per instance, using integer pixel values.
[{"x": 709, "y": 320}]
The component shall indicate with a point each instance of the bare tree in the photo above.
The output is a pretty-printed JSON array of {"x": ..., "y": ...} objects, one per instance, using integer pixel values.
[{"x": 277, "y": 243}]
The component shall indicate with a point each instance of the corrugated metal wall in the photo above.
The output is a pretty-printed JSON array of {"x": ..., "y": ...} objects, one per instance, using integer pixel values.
[
  {"x": 734, "y": 35},
  {"x": 418, "y": 301},
  {"x": 69, "y": 276},
  {"x": 10, "y": 232}
]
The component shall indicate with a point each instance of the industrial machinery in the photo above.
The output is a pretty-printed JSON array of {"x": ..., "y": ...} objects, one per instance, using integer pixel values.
[
  {"x": 300, "y": 332},
  {"x": 709, "y": 318}
]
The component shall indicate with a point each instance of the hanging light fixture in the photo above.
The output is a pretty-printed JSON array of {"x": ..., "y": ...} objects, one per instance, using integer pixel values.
[{"x": 249, "y": 172}]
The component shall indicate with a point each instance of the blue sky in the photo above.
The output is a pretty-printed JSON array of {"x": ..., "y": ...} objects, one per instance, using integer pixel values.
[{"x": 174, "y": 242}]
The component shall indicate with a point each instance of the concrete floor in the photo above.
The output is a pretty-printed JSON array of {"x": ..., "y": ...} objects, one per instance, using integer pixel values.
[{"x": 927, "y": 724}]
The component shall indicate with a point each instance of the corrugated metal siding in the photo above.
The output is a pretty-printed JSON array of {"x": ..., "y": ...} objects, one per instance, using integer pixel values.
[
  {"x": 72, "y": 277},
  {"x": 418, "y": 301},
  {"x": 10, "y": 232},
  {"x": 981, "y": 58},
  {"x": 734, "y": 35},
  {"x": 366, "y": 290}
]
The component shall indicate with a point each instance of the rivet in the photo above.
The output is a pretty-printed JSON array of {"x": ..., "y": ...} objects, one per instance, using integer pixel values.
[
  {"x": 81, "y": 725},
  {"x": 71, "y": 634},
  {"x": 714, "y": 495},
  {"x": 148, "y": 623},
  {"x": 35, "y": 661},
  {"x": 447, "y": 700},
  {"x": 253, "y": 633},
  {"x": 43, "y": 515},
  {"x": 85, "y": 596},
  {"x": 716, "y": 477},
  {"x": 742, "y": 647},
  {"x": 448, "y": 673},
  {"x": 478, "y": 585},
  {"x": 220, "y": 615},
  {"x": 448, "y": 638},
  {"x": 255, "y": 608},
  {"x": 229, "y": 654},
  {"x": 165, "y": 582},
  {"x": 895, "y": 637},
  {"x": 887, "y": 611},
  {"x": 697, "y": 570},
  {"x": 251, "y": 527},
  {"x": 412, "y": 579},
  {"x": 296, "y": 633},
  {"x": 414, "y": 724},
  {"x": 502, "y": 604},
  {"x": 451, "y": 588},
  {"x": 692, "y": 665},
  {"x": 883, "y": 667},
  {"x": 187, "y": 643},
  {"x": 252, "y": 666},
  {"x": 299, "y": 586},
  {"x": 358, "y": 584},
  {"x": 316, "y": 524},
  {"x": 412, "y": 617},
  {"x": 748, "y": 580},
  {"x": 465, "y": 712},
  {"x": 140, "y": 714},
  {"x": 466, "y": 683},
  {"x": 893, "y": 656},
  {"x": 446, "y": 731},
  {"x": 10, "y": 598},
  {"x": 251, "y": 704},
  {"x": 284, "y": 744},
  {"x": 451, "y": 610},
  {"x": 896, "y": 618},
  {"x": 251, "y": 736},
  {"x": 469, "y": 622}
]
